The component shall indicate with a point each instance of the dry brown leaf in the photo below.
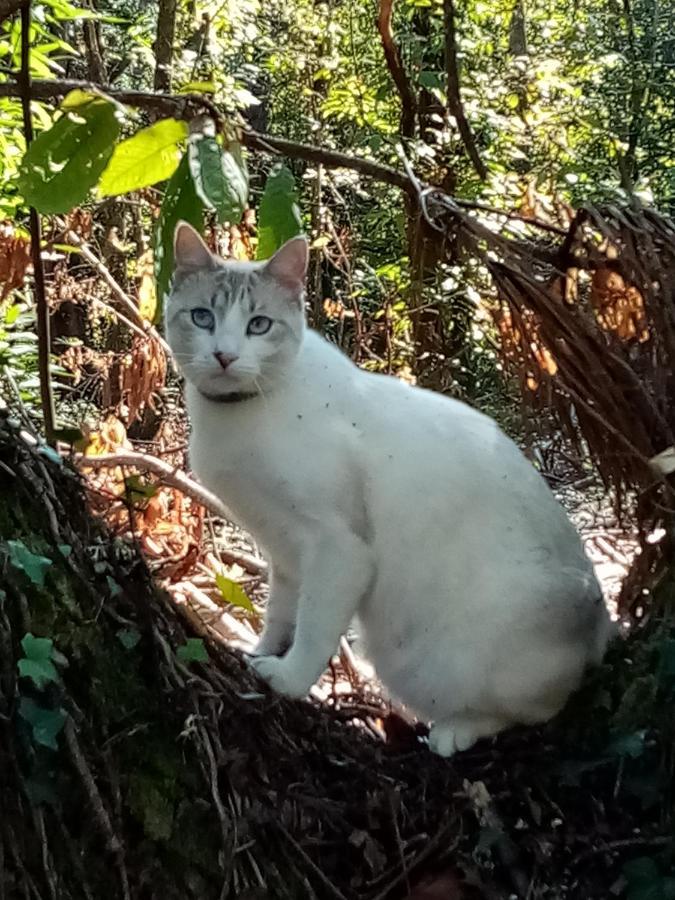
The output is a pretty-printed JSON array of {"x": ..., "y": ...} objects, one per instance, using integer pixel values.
[{"x": 14, "y": 259}]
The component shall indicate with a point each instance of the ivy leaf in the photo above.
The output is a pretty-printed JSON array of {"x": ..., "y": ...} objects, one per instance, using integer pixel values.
[
  {"x": 193, "y": 650},
  {"x": 279, "y": 214},
  {"x": 220, "y": 176},
  {"x": 149, "y": 156},
  {"x": 34, "y": 566},
  {"x": 180, "y": 202},
  {"x": 46, "y": 723},
  {"x": 65, "y": 162},
  {"x": 37, "y": 661},
  {"x": 233, "y": 593},
  {"x": 128, "y": 637}
]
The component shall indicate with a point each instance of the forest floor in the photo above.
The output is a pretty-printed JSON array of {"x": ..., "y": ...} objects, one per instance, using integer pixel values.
[{"x": 580, "y": 808}]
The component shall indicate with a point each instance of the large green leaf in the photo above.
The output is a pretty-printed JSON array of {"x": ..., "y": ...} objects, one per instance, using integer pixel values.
[
  {"x": 180, "y": 202},
  {"x": 233, "y": 593},
  {"x": 279, "y": 214},
  {"x": 63, "y": 163},
  {"x": 151, "y": 155},
  {"x": 37, "y": 661},
  {"x": 220, "y": 176},
  {"x": 34, "y": 566}
]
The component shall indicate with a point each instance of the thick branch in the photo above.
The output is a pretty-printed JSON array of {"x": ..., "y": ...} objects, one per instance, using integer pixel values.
[
  {"x": 396, "y": 68},
  {"x": 454, "y": 96}
]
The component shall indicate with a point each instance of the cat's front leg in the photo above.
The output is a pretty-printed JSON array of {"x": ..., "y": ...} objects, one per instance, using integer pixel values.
[
  {"x": 280, "y": 615},
  {"x": 337, "y": 570}
]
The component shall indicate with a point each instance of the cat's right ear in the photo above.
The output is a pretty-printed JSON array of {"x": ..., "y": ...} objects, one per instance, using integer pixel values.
[{"x": 189, "y": 250}]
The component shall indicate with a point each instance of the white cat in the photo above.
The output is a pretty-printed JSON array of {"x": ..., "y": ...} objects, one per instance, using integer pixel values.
[{"x": 371, "y": 498}]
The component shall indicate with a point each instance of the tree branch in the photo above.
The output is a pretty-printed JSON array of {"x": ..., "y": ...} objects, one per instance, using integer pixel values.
[
  {"x": 454, "y": 95},
  {"x": 396, "y": 69},
  {"x": 190, "y": 104},
  {"x": 169, "y": 475},
  {"x": 173, "y": 477},
  {"x": 42, "y": 308}
]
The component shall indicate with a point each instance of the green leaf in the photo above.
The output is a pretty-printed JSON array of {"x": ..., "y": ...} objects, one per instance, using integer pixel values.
[
  {"x": 65, "y": 162},
  {"x": 137, "y": 489},
  {"x": 37, "y": 661},
  {"x": 233, "y": 593},
  {"x": 151, "y": 155},
  {"x": 180, "y": 202},
  {"x": 46, "y": 723},
  {"x": 35, "y": 567},
  {"x": 220, "y": 176},
  {"x": 430, "y": 79},
  {"x": 193, "y": 650},
  {"x": 198, "y": 87},
  {"x": 279, "y": 214},
  {"x": 128, "y": 637}
]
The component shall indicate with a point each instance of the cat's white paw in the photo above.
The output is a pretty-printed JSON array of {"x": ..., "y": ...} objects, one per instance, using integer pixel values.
[
  {"x": 460, "y": 734},
  {"x": 442, "y": 740},
  {"x": 281, "y": 676}
]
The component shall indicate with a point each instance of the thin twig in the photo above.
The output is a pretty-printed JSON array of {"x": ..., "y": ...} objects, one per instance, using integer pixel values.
[{"x": 42, "y": 308}]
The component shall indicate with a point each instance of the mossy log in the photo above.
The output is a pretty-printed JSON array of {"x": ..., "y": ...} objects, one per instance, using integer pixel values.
[{"x": 129, "y": 770}]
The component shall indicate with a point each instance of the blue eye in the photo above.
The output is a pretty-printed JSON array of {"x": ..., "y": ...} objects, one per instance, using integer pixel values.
[
  {"x": 202, "y": 318},
  {"x": 259, "y": 325}
]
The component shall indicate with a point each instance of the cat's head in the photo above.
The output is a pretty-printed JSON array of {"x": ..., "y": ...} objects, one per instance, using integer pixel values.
[{"x": 235, "y": 327}]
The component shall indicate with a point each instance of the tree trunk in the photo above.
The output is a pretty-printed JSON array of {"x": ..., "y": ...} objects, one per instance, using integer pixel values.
[{"x": 166, "y": 28}]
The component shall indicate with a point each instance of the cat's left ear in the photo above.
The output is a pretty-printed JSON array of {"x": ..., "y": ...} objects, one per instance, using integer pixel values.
[
  {"x": 189, "y": 249},
  {"x": 288, "y": 266}
]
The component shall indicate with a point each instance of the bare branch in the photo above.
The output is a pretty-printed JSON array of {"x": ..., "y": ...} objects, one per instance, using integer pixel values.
[
  {"x": 397, "y": 71},
  {"x": 173, "y": 477},
  {"x": 170, "y": 475},
  {"x": 454, "y": 95}
]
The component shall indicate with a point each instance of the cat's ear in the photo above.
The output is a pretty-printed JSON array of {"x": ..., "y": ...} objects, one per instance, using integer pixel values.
[
  {"x": 189, "y": 249},
  {"x": 288, "y": 266}
]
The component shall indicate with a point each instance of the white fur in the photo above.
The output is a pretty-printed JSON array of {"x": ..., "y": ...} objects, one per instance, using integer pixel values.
[{"x": 414, "y": 513}]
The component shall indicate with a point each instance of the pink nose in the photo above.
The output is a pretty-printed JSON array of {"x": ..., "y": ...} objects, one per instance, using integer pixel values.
[{"x": 225, "y": 358}]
